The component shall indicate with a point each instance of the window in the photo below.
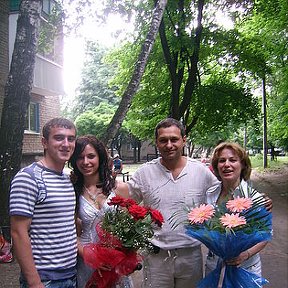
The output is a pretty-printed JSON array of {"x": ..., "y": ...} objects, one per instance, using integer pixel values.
[
  {"x": 32, "y": 119},
  {"x": 47, "y": 5},
  {"x": 14, "y": 5}
]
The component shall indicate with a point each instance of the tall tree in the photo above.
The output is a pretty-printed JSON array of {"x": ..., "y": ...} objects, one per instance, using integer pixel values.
[
  {"x": 191, "y": 78},
  {"x": 264, "y": 32},
  {"x": 186, "y": 54},
  {"x": 17, "y": 97},
  {"x": 133, "y": 85},
  {"x": 94, "y": 87}
]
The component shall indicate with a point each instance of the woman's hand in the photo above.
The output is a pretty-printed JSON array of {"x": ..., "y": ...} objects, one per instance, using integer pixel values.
[
  {"x": 104, "y": 267},
  {"x": 236, "y": 261},
  {"x": 80, "y": 248}
]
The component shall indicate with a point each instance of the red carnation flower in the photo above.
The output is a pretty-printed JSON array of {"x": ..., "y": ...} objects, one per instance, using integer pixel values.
[
  {"x": 129, "y": 202},
  {"x": 116, "y": 200},
  {"x": 157, "y": 217},
  {"x": 138, "y": 212}
]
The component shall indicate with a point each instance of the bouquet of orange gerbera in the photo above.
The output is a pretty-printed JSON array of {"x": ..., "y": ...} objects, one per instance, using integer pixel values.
[
  {"x": 227, "y": 230},
  {"x": 124, "y": 233}
]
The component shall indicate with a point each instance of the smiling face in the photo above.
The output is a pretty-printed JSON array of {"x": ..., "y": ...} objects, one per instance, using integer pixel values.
[
  {"x": 229, "y": 167},
  {"x": 170, "y": 143},
  {"x": 88, "y": 161},
  {"x": 59, "y": 146}
]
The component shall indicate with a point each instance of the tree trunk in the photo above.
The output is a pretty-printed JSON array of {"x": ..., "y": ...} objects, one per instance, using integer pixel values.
[
  {"x": 17, "y": 98},
  {"x": 139, "y": 144},
  {"x": 179, "y": 62},
  {"x": 264, "y": 107},
  {"x": 133, "y": 85}
]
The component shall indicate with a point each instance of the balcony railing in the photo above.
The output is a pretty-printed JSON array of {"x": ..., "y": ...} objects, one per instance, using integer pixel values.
[{"x": 48, "y": 77}]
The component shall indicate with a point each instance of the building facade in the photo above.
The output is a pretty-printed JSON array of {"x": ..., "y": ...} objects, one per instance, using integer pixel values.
[{"x": 48, "y": 74}]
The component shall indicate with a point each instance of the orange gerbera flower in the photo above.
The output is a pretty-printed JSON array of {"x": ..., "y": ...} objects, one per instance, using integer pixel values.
[
  {"x": 200, "y": 214},
  {"x": 239, "y": 204},
  {"x": 232, "y": 220}
]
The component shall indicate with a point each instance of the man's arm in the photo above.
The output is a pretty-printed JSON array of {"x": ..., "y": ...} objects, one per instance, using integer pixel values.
[
  {"x": 122, "y": 189},
  {"x": 268, "y": 202},
  {"x": 23, "y": 250}
]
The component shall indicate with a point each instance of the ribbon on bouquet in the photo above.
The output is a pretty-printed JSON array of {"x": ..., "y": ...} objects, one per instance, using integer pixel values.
[{"x": 110, "y": 253}]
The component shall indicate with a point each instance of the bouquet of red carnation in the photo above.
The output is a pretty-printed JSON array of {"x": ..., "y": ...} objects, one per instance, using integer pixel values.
[{"x": 124, "y": 233}]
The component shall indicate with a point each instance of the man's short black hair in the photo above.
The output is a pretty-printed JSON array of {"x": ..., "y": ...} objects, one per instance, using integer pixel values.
[{"x": 168, "y": 122}]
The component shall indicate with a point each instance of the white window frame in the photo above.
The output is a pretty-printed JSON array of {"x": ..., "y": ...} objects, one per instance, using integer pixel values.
[{"x": 33, "y": 118}]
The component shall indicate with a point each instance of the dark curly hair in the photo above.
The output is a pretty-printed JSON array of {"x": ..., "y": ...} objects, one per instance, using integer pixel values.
[{"x": 105, "y": 172}]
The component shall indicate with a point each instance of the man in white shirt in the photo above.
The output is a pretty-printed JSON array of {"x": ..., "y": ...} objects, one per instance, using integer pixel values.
[{"x": 167, "y": 183}]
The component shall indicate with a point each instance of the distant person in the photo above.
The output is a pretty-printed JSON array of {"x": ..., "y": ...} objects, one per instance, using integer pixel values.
[
  {"x": 94, "y": 186},
  {"x": 117, "y": 164},
  {"x": 42, "y": 211}
]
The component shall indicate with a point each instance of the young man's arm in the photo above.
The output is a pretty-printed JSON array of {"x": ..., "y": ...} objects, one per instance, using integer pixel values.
[{"x": 22, "y": 247}]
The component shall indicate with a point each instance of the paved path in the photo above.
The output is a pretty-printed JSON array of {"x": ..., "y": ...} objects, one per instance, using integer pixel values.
[{"x": 274, "y": 256}]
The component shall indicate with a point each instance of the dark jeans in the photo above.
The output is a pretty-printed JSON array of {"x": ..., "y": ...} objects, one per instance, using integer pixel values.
[{"x": 63, "y": 283}]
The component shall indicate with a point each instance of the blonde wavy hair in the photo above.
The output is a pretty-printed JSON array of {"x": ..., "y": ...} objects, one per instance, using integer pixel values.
[{"x": 242, "y": 154}]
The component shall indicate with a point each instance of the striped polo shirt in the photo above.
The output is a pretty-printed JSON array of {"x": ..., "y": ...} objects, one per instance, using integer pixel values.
[{"x": 52, "y": 209}]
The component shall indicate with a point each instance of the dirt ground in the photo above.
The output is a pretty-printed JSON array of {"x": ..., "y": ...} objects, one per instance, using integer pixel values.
[{"x": 274, "y": 256}]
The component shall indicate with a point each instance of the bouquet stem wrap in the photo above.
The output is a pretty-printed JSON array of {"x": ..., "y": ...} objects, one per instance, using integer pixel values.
[{"x": 109, "y": 251}]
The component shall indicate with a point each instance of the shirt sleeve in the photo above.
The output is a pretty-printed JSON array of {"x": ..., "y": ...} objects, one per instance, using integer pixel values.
[
  {"x": 213, "y": 182},
  {"x": 23, "y": 195}
]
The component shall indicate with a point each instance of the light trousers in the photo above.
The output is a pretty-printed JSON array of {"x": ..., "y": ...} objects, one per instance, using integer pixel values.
[{"x": 178, "y": 268}]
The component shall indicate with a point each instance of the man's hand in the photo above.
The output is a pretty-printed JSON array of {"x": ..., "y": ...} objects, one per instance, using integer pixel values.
[{"x": 268, "y": 202}]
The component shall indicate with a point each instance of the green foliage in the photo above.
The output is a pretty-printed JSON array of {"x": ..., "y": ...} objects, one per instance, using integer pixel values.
[
  {"x": 95, "y": 86},
  {"x": 265, "y": 35},
  {"x": 95, "y": 121},
  {"x": 279, "y": 124},
  {"x": 257, "y": 163},
  {"x": 223, "y": 102},
  {"x": 50, "y": 30},
  {"x": 230, "y": 64},
  {"x": 215, "y": 102}
]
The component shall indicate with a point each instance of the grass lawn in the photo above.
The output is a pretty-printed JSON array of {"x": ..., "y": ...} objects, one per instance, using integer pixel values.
[
  {"x": 257, "y": 162},
  {"x": 131, "y": 167}
]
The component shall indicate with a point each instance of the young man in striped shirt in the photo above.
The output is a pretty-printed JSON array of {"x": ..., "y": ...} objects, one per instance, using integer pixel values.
[{"x": 42, "y": 207}]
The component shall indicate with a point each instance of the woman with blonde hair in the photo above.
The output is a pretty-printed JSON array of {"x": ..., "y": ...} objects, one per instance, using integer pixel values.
[{"x": 232, "y": 166}]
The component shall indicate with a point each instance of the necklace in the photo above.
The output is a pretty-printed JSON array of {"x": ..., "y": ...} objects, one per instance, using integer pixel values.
[
  {"x": 42, "y": 163},
  {"x": 93, "y": 197}
]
